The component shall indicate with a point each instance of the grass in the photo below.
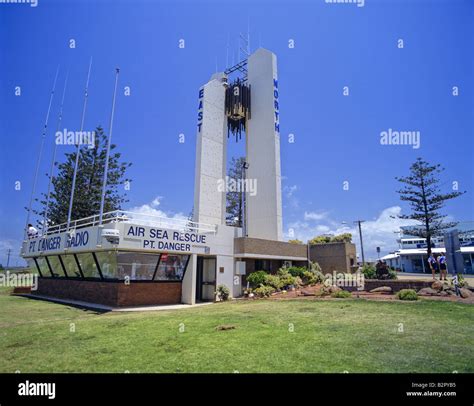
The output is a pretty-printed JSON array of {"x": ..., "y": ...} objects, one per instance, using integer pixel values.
[{"x": 269, "y": 336}]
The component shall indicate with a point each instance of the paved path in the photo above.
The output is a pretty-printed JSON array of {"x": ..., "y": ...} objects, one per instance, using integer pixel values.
[
  {"x": 100, "y": 307},
  {"x": 428, "y": 277}
]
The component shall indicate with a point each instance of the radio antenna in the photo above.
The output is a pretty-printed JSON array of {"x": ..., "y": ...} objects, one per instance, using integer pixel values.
[
  {"x": 51, "y": 171},
  {"x": 40, "y": 153},
  {"x": 78, "y": 147},
  {"x": 227, "y": 53}
]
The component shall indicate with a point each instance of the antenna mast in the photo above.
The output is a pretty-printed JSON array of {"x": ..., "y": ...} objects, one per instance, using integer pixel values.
[
  {"x": 40, "y": 153},
  {"x": 60, "y": 117},
  {"x": 78, "y": 147}
]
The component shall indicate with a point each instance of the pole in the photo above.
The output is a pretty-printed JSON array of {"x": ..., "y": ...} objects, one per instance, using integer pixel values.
[
  {"x": 78, "y": 149},
  {"x": 245, "y": 166},
  {"x": 51, "y": 170},
  {"x": 8, "y": 257},
  {"x": 361, "y": 242},
  {"x": 40, "y": 153},
  {"x": 109, "y": 140}
]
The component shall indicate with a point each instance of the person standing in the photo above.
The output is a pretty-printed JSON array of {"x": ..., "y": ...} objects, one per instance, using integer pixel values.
[
  {"x": 442, "y": 266},
  {"x": 32, "y": 231},
  {"x": 432, "y": 261}
]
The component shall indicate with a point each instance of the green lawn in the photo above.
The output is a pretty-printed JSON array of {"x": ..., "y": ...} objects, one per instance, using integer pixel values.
[{"x": 329, "y": 336}]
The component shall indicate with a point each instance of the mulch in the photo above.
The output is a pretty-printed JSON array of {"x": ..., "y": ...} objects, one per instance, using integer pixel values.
[{"x": 311, "y": 292}]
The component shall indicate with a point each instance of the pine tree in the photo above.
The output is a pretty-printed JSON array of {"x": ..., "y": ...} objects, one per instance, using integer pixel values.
[
  {"x": 89, "y": 179},
  {"x": 234, "y": 198},
  {"x": 422, "y": 191}
]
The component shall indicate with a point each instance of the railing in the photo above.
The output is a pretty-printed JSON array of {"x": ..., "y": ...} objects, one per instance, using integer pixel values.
[{"x": 119, "y": 216}]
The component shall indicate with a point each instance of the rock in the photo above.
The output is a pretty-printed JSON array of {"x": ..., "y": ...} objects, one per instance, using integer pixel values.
[
  {"x": 465, "y": 293},
  {"x": 427, "y": 292},
  {"x": 334, "y": 289},
  {"x": 443, "y": 293},
  {"x": 382, "y": 289},
  {"x": 437, "y": 285},
  {"x": 446, "y": 286},
  {"x": 324, "y": 291},
  {"x": 307, "y": 293}
]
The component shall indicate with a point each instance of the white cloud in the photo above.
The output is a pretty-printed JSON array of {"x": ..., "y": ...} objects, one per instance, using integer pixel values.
[
  {"x": 290, "y": 198},
  {"x": 315, "y": 216},
  {"x": 150, "y": 211},
  {"x": 379, "y": 232}
]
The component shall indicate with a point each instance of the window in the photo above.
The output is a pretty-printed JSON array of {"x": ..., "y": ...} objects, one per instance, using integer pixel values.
[
  {"x": 88, "y": 266},
  {"x": 417, "y": 265},
  {"x": 71, "y": 266},
  {"x": 468, "y": 267},
  {"x": 108, "y": 264},
  {"x": 43, "y": 266},
  {"x": 171, "y": 267},
  {"x": 56, "y": 266},
  {"x": 262, "y": 265},
  {"x": 136, "y": 266}
]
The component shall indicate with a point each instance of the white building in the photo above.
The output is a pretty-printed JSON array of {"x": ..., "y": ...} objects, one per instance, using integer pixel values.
[
  {"x": 127, "y": 259},
  {"x": 412, "y": 255}
]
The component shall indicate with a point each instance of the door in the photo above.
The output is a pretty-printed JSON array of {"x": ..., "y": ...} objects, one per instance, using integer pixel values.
[{"x": 206, "y": 279}]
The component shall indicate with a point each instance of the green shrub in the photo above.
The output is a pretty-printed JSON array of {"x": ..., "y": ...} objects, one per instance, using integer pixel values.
[
  {"x": 283, "y": 272},
  {"x": 341, "y": 294},
  {"x": 223, "y": 292},
  {"x": 257, "y": 278},
  {"x": 392, "y": 273},
  {"x": 369, "y": 272},
  {"x": 274, "y": 281},
  {"x": 296, "y": 271},
  {"x": 309, "y": 278},
  {"x": 315, "y": 269},
  {"x": 312, "y": 278},
  {"x": 264, "y": 291},
  {"x": 320, "y": 277},
  {"x": 407, "y": 294},
  {"x": 462, "y": 282},
  {"x": 287, "y": 279}
]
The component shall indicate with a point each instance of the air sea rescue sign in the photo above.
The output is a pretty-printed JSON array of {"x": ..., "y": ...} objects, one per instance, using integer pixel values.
[{"x": 164, "y": 240}]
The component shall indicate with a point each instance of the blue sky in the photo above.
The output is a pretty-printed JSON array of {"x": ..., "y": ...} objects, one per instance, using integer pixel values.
[{"x": 337, "y": 137}]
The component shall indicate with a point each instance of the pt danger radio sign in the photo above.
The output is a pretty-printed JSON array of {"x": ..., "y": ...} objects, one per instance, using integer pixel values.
[{"x": 164, "y": 240}]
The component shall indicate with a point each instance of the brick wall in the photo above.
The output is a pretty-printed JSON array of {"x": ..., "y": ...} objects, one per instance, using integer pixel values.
[
  {"x": 115, "y": 294},
  {"x": 334, "y": 256},
  {"x": 245, "y": 245}
]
